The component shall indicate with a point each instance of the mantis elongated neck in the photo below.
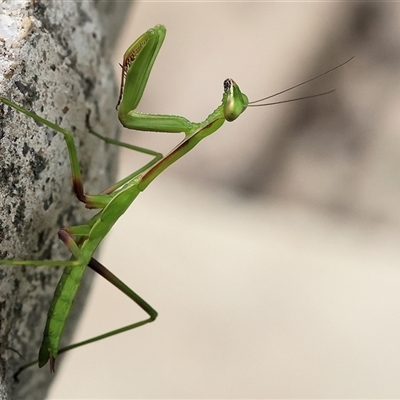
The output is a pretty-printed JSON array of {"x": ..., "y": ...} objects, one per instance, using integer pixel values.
[{"x": 207, "y": 127}]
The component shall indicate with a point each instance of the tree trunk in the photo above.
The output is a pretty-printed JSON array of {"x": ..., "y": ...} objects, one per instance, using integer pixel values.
[{"x": 55, "y": 62}]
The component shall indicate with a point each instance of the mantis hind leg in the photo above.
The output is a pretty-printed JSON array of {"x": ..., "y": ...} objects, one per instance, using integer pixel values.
[
  {"x": 65, "y": 235},
  {"x": 114, "y": 280},
  {"x": 105, "y": 273}
]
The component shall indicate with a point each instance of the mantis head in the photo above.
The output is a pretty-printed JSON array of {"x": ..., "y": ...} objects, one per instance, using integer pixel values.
[{"x": 234, "y": 101}]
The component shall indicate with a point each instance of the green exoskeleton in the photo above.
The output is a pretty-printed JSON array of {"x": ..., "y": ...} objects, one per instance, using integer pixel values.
[{"x": 83, "y": 240}]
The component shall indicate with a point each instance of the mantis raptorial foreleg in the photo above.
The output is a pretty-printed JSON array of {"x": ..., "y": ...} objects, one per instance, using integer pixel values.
[{"x": 83, "y": 240}]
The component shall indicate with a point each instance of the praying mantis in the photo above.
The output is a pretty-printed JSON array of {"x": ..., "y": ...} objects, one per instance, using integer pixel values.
[{"x": 83, "y": 240}]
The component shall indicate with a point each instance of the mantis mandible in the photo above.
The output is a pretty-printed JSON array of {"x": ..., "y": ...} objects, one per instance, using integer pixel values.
[{"x": 83, "y": 240}]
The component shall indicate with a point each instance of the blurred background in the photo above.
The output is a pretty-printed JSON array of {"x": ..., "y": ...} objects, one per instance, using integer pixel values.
[{"x": 271, "y": 251}]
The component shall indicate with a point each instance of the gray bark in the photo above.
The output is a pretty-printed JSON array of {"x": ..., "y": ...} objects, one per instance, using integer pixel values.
[{"x": 54, "y": 61}]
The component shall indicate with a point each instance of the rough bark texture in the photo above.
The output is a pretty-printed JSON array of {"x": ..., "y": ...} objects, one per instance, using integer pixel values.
[{"x": 54, "y": 61}]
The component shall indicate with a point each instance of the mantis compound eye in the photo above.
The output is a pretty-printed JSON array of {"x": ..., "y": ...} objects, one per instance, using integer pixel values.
[{"x": 227, "y": 85}]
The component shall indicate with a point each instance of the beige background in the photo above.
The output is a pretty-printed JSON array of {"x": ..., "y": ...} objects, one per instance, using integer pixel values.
[{"x": 290, "y": 292}]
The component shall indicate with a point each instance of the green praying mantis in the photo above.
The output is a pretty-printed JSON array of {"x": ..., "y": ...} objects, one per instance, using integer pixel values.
[{"x": 83, "y": 240}]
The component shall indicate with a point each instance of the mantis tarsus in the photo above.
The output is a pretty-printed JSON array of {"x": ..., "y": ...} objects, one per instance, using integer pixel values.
[{"x": 83, "y": 240}]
